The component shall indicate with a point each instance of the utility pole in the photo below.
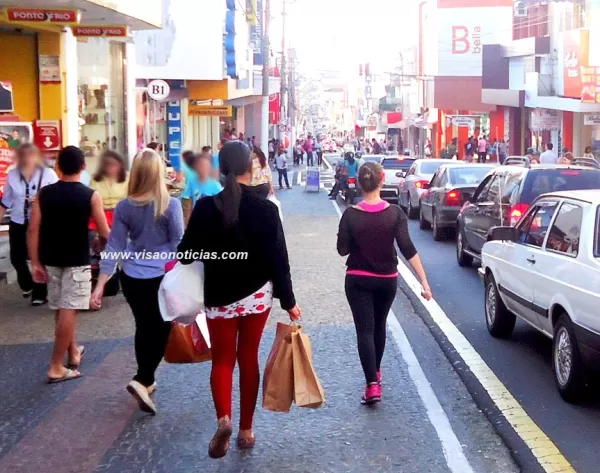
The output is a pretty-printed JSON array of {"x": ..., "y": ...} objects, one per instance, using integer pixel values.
[
  {"x": 264, "y": 132},
  {"x": 283, "y": 77},
  {"x": 292, "y": 100}
]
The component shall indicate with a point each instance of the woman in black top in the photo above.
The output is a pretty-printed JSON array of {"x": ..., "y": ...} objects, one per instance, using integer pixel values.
[
  {"x": 367, "y": 234},
  {"x": 239, "y": 238}
]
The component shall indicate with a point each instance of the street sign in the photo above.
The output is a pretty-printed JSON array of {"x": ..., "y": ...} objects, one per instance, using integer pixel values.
[
  {"x": 42, "y": 15},
  {"x": 158, "y": 89},
  {"x": 463, "y": 121},
  {"x": 101, "y": 31},
  {"x": 46, "y": 135},
  {"x": 209, "y": 110},
  {"x": 281, "y": 127},
  {"x": 313, "y": 177}
]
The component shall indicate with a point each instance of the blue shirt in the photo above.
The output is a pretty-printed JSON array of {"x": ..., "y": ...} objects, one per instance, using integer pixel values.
[
  {"x": 142, "y": 243},
  {"x": 196, "y": 190},
  {"x": 215, "y": 161},
  {"x": 352, "y": 168},
  {"x": 188, "y": 174},
  {"x": 85, "y": 178}
]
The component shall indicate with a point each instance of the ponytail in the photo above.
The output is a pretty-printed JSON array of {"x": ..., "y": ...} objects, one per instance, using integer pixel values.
[
  {"x": 235, "y": 161},
  {"x": 228, "y": 200}
]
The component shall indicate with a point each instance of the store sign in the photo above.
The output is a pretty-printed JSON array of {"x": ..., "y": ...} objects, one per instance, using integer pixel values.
[
  {"x": 49, "y": 69},
  {"x": 209, "y": 111},
  {"x": 464, "y": 31},
  {"x": 463, "y": 121},
  {"x": 158, "y": 89},
  {"x": 574, "y": 58},
  {"x": 101, "y": 31},
  {"x": 35, "y": 15},
  {"x": 174, "y": 134},
  {"x": 46, "y": 135},
  {"x": 590, "y": 84},
  {"x": 591, "y": 119},
  {"x": 545, "y": 120}
]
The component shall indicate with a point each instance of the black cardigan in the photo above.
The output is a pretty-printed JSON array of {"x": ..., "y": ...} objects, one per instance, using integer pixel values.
[{"x": 258, "y": 234}]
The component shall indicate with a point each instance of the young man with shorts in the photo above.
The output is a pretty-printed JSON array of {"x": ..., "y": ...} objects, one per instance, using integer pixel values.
[{"x": 60, "y": 255}]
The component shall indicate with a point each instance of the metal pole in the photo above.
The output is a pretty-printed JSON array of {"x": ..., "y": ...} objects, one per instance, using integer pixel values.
[
  {"x": 291, "y": 104},
  {"x": 264, "y": 132}
]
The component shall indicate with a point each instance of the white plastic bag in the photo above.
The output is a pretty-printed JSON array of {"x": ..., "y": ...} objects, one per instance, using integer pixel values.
[
  {"x": 274, "y": 199},
  {"x": 181, "y": 293}
]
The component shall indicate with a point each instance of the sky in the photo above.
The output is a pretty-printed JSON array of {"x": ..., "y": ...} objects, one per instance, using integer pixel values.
[{"x": 339, "y": 35}]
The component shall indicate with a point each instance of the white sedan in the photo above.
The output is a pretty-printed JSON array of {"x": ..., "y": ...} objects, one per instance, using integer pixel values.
[{"x": 546, "y": 271}]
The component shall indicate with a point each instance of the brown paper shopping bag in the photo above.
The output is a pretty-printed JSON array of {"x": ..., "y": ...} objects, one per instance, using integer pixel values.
[
  {"x": 188, "y": 343},
  {"x": 278, "y": 379},
  {"x": 308, "y": 391}
]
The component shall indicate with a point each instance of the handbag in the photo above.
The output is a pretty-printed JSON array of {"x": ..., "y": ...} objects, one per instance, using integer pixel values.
[{"x": 189, "y": 343}]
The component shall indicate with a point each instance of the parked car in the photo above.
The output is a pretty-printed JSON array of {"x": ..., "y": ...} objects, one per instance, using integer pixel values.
[
  {"x": 546, "y": 271},
  {"x": 412, "y": 185},
  {"x": 451, "y": 186},
  {"x": 505, "y": 195},
  {"x": 394, "y": 168}
]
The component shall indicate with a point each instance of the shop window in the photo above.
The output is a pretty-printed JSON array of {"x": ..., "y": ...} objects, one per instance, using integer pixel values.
[{"x": 102, "y": 116}]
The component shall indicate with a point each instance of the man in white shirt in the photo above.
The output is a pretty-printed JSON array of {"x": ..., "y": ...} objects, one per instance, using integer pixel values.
[{"x": 549, "y": 156}]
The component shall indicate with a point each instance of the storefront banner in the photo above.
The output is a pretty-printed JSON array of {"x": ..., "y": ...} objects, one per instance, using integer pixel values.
[
  {"x": 274, "y": 109},
  {"x": 462, "y": 34},
  {"x": 46, "y": 135},
  {"x": 101, "y": 31},
  {"x": 49, "y": 69},
  {"x": 209, "y": 111},
  {"x": 256, "y": 36},
  {"x": 590, "y": 84},
  {"x": 36, "y": 15},
  {"x": 575, "y": 56},
  {"x": 591, "y": 119},
  {"x": 12, "y": 135},
  {"x": 251, "y": 12},
  {"x": 174, "y": 135},
  {"x": 545, "y": 120}
]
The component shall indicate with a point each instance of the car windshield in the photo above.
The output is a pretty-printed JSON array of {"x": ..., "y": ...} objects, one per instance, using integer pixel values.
[
  {"x": 371, "y": 159},
  {"x": 469, "y": 175},
  {"x": 430, "y": 167},
  {"x": 396, "y": 163},
  {"x": 542, "y": 181}
]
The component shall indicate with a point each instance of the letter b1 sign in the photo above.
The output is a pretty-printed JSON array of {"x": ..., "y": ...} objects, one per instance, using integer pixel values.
[{"x": 158, "y": 90}]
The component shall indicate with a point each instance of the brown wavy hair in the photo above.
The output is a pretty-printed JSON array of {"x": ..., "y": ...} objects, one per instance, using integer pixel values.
[{"x": 101, "y": 171}]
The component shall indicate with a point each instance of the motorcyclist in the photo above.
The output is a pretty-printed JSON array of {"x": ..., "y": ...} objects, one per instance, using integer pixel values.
[{"x": 349, "y": 169}]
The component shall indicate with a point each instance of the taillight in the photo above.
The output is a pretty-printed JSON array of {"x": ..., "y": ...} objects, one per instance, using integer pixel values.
[
  {"x": 453, "y": 198},
  {"x": 516, "y": 212},
  {"x": 351, "y": 180},
  {"x": 421, "y": 184}
]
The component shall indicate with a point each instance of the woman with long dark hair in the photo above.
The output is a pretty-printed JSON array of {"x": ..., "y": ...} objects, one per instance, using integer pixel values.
[
  {"x": 23, "y": 182},
  {"x": 238, "y": 293},
  {"x": 262, "y": 180},
  {"x": 366, "y": 235},
  {"x": 110, "y": 180}
]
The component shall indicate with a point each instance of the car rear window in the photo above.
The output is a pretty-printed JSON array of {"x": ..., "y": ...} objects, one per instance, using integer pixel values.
[
  {"x": 395, "y": 163},
  {"x": 430, "y": 168},
  {"x": 469, "y": 175},
  {"x": 540, "y": 182}
]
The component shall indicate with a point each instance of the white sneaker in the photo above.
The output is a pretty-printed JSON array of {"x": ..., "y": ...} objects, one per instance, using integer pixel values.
[{"x": 141, "y": 395}]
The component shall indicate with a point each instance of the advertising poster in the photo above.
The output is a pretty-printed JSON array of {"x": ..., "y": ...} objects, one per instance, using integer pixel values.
[
  {"x": 12, "y": 135},
  {"x": 590, "y": 84},
  {"x": 174, "y": 133}
]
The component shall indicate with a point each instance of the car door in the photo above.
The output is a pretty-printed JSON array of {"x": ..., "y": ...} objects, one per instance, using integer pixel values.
[
  {"x": 469, "y": 214},
  {"x": 487, "y": 214},
  {"x": 517, "y": 274},
  {"x": 429, "y": 195},
  {"x": 560, "y": 250},
  {"x": 438, "y": 193},
  {"x": 404, "y": 186}
]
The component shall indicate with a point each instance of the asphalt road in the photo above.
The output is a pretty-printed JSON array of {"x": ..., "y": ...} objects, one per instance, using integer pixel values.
[{"x": 522, "y": 363}]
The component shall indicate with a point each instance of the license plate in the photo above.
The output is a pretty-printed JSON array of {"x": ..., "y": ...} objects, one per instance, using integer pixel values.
[{"x": 351, "y": 186}]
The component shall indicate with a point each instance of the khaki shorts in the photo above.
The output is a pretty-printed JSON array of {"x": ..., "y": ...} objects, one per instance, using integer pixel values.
[{"x": 69, "y": 288}]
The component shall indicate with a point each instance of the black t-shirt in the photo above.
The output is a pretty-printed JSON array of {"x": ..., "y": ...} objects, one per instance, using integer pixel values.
[
  {"x": 368, "y": 238},
  {"x": 66, "y": 208}
]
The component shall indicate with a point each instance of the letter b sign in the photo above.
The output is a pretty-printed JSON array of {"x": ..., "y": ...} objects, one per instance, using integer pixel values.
[
  {"x": 158, "y": 90},
  {"x": 460, "y": 40}
]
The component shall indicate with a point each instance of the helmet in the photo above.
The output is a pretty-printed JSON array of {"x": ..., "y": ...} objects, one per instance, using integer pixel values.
[
  {"x": 349, "y": 155},
  {"x": 358, "y": 155}
]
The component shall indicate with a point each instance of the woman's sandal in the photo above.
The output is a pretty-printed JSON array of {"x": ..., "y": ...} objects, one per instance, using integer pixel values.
[
  {"x": 219, "y": 445},
  {"x": 246, "y": 443}
]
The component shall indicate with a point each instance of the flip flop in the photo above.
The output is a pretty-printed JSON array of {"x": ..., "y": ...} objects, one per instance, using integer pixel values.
[
  {"x": 73, "y": 366},
  {"x": 219, "y": 445},
  {"x": 67, "y": 376}
]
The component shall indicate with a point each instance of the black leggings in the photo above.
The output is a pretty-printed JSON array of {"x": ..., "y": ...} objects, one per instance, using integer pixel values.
[
  {"x": 17, "y": 237},
  {"x": 370, "y": 300},
  {"x": 151, "y": 331}
]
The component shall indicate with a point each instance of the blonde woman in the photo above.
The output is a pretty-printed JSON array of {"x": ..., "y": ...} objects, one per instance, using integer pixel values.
[
  {"x": 262, "y": 179},
  {"x": 148, "y": 221}
]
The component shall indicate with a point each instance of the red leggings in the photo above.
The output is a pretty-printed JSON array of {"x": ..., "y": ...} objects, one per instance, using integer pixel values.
[{"x": 230, "y": 339}]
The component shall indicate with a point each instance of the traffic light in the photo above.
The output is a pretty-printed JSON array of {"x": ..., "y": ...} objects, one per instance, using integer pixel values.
[{"x": 230, "y": 40}]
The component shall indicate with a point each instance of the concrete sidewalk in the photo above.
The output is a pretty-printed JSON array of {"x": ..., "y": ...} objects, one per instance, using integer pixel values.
[{"x": 92, "y": 425}]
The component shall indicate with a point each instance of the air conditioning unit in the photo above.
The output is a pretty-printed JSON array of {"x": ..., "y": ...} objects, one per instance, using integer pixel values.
[{"x": 520, "y": 9}]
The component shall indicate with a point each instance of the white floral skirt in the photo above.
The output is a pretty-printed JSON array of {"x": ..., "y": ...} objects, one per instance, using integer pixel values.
[{"x": 256, "y": 303}]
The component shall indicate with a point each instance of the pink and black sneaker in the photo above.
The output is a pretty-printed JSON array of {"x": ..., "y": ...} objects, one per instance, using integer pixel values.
[{"x": 372, "y": 394}]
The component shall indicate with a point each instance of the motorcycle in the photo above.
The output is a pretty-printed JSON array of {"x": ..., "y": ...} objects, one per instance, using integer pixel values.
[{"x": 350, "y": 191}]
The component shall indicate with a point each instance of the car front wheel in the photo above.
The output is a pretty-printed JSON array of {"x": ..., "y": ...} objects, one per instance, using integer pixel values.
[
  {"x": 499, "y": 320},
  {"x": 569, "y": 371}
]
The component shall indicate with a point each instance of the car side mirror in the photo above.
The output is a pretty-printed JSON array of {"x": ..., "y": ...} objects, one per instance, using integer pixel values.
[{"x": 503, "y": 234}]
